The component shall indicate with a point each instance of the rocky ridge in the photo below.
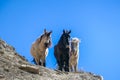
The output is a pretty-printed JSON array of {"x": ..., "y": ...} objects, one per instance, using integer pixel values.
[{"x": 15, "y": 67}]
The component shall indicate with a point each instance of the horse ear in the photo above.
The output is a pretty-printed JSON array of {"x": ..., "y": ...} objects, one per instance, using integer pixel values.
[
  {"x": 63, "y": 31},
  {"x": 49, "y": 33},
  {"x": 69, "y": 32},
  {"x": 45, "y": 31}
]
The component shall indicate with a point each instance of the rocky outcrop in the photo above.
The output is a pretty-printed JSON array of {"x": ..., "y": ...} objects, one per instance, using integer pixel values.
[{"x": 15, "y": 67}]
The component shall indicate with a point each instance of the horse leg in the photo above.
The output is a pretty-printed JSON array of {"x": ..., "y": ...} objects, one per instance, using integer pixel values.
[
  {"x": 70, "y": 69},
  {"x": 75, "y": 67},
  {"x": 44, "y": 63},
  {"x": 34, "y": 61},
  {"x": 37, "y": 61},
  {"x": 59, "y": 68},
  {"x": 36, "y": 58},
  {"x": 58, "y": 62},
  {"x": 66, "y": 68},
  {"x": 40, "y": 62},
  {"x": 61, "y": 63}
]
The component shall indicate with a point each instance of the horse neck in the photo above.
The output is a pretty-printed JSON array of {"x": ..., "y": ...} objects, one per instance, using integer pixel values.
[
  {"x": 42, "y": 47},
  {"x": 60, "y": 43},
  {"x": 75, "y": 48}
]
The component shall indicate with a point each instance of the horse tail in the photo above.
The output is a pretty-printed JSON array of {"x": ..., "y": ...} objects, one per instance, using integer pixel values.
[{"x": 34, "y": 61}]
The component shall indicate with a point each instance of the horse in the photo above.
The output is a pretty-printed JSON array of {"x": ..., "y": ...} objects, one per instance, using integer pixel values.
[
  {"x": 61, "y": 51},
  {"x": 74, "y": 54},
  {"x": 39, "y": 48}
]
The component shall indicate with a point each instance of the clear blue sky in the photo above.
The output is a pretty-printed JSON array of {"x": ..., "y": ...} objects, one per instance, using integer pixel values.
[{"x": 96, "y": 22}]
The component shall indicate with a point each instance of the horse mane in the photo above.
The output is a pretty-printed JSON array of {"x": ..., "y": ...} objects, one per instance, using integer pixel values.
[
  {"x": 60, "y": 42},
  {"x": 40, "y": 38}
]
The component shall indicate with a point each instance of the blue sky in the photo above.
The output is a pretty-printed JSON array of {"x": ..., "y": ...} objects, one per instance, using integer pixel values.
[{"x": 96, "y": 23}]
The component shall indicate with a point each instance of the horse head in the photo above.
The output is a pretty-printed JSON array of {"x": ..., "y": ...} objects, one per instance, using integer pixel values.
[
  {"x": 75, "y": 44},
  {"x": 65, "y": 38},
  {"x": 45, "y": 39}
]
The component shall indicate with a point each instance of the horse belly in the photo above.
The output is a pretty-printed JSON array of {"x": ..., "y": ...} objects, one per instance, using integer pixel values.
[
  {"x": 42, "y": 54},
  {"x": 73, "y": 60},
  {"x": 57, "y": 53},
  {"x": 33, "y": 51}
]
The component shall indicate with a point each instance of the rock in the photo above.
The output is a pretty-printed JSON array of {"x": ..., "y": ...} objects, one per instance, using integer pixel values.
[
  {"x": 1, "y": 51},
  {"x": 15, "y": 67},
  {"x": 29, "y": 68},
  {"x": 1, "y": 76}
]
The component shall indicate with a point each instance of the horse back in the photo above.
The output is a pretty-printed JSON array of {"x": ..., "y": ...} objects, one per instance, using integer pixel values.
[{"x": 57, "y": 52}]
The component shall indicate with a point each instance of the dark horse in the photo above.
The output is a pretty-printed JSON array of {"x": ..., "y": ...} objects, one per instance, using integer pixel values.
[{"x": 61, "y": 51}]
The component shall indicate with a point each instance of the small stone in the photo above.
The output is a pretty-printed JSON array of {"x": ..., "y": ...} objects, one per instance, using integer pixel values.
[
  {"x": 29, "y": 68},
  {"x": 1, "y": 52},
  {"x": 1, "y": 76}
]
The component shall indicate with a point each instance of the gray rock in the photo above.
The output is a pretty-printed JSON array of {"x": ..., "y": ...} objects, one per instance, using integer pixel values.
[
  {"x": 29, "y": 68},
  {"x": 15, "y": 67}
]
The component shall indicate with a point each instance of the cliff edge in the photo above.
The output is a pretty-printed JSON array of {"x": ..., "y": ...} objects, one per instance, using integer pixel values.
[{"x": 15, "y": 67}]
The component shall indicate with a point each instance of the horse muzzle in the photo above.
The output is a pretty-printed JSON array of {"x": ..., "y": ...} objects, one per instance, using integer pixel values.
[
  {"x": 67, "y": 46},
  {"x": 47, "y": 45}
]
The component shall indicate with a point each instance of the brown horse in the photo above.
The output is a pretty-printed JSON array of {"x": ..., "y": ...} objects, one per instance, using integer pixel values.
[
  {"x": 39, "y": 49},
  {"x": 61, "y": 51}
]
